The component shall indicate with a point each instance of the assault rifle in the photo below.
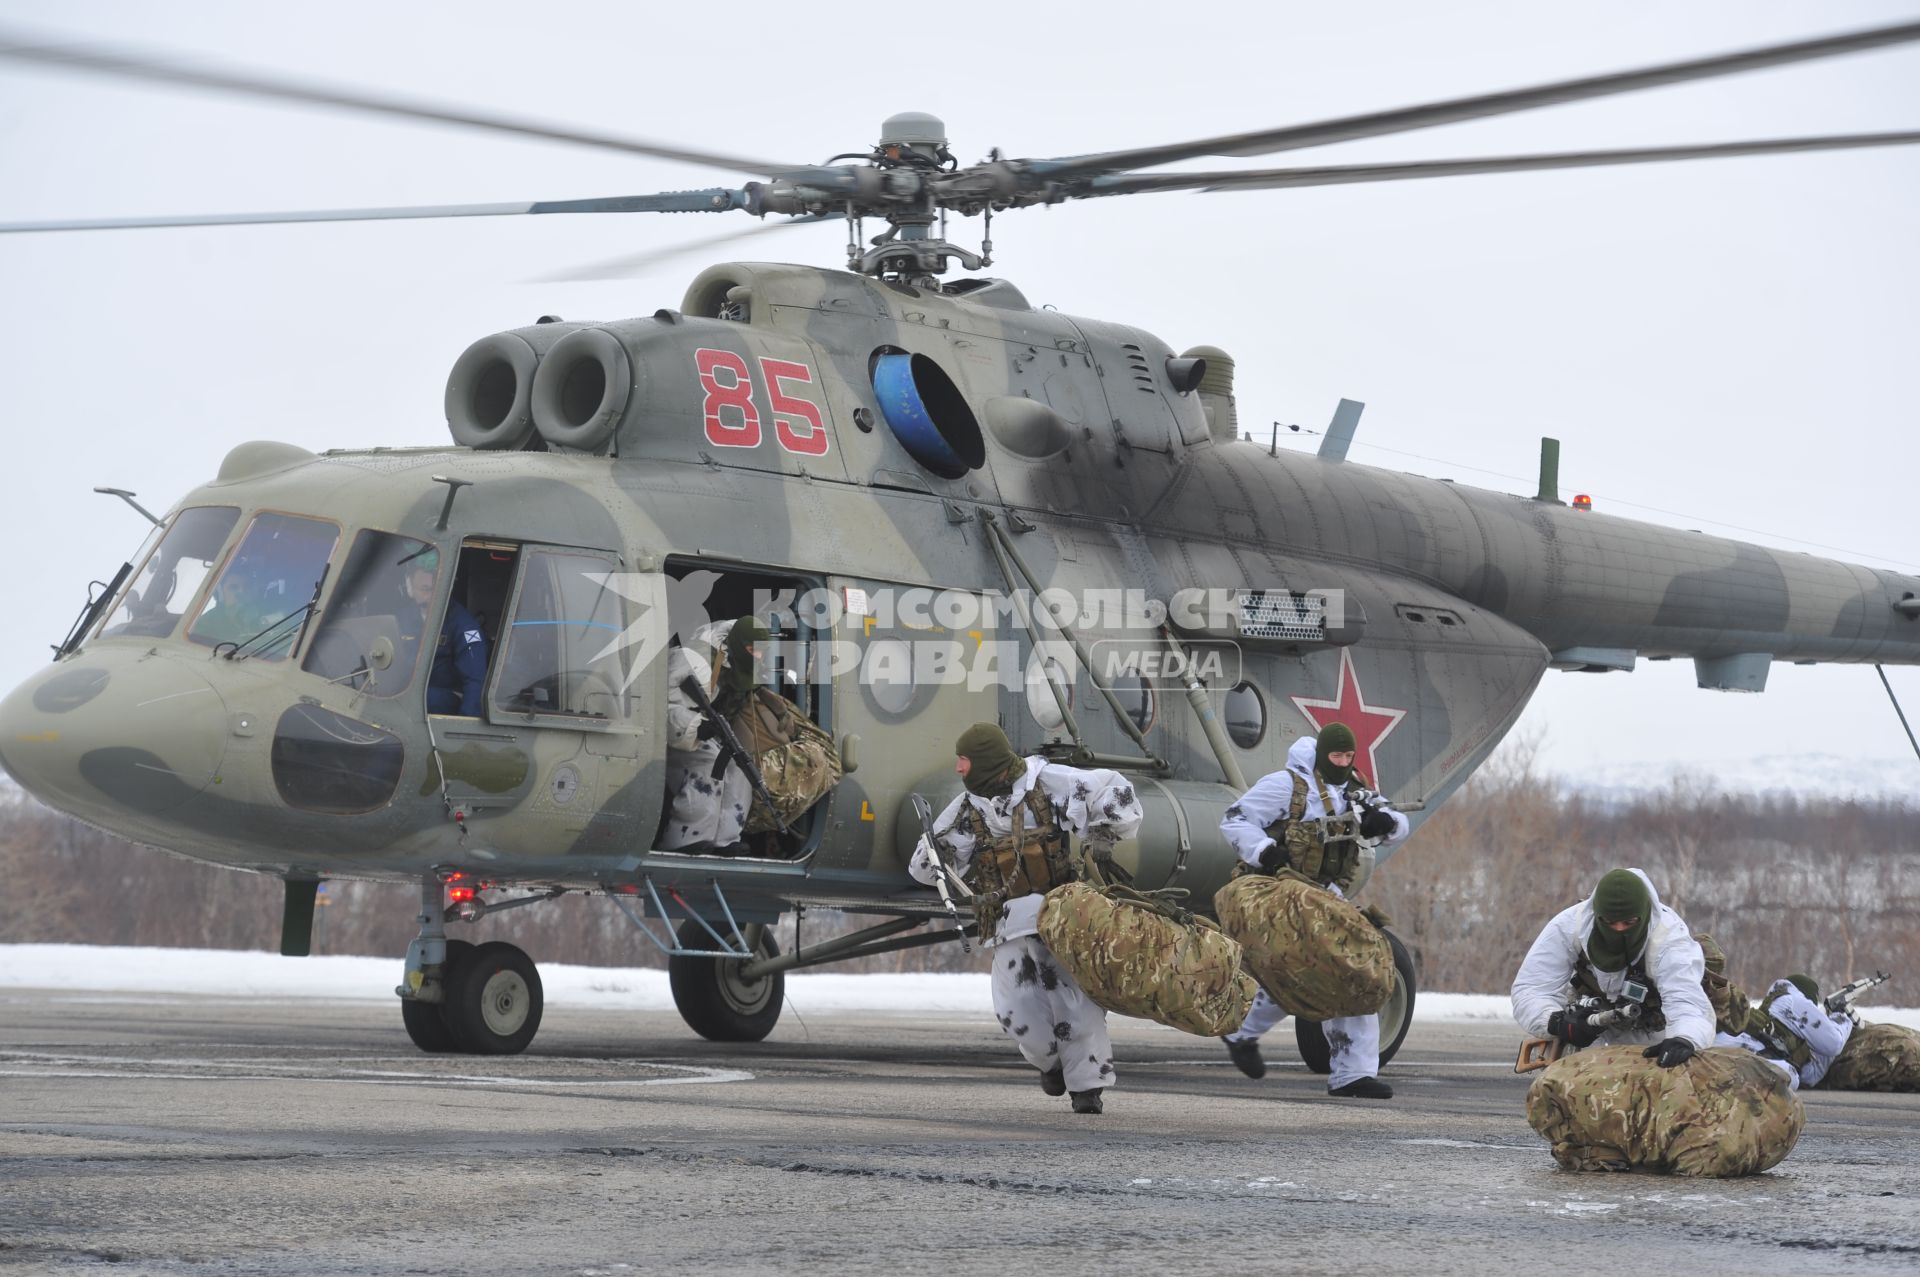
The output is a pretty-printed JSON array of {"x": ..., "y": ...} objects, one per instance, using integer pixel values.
[
  {"x": 1841, "y": 1003},
  {"x": 1599, "y": 1013},
  {"x": 731, "y": 748},
  {"x": 937, "y": 847}
]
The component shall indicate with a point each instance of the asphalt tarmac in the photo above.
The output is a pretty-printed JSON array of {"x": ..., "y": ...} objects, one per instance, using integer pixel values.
[{"x": 200, "y": 1135}]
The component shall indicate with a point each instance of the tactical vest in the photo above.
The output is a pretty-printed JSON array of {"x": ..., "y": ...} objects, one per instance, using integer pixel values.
[
  {"x": 1587, "y": 981},
  {"x": 1031, "y": 859},
  {"x": 1326, "y": 850},
  {"x": 1792, "y": 1047}
]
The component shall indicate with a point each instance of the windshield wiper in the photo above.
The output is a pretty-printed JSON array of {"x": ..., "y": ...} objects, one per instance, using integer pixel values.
[
  {"x": 304, "y": 613},
  {"x": 90, "y": 611}
]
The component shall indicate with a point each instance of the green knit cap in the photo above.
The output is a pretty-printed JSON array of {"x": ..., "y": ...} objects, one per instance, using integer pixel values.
[
  {"x": 1806, "y": 984},
  {"x": 1334, "y": 738},
  {"x": 992, "y": 757},
  {"x": 1622, "y": 894}
]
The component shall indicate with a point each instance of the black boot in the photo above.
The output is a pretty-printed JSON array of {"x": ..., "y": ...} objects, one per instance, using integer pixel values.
[
  {"x": 1088, "y": 1101},
  {"x": 1053, "y": 1081},
  {"x": 1246, "y": 1056},
  {"x": 1366, "y": 1088}
]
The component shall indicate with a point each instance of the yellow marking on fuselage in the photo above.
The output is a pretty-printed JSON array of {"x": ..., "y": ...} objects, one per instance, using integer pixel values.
[{"x": 866, "y": 812}]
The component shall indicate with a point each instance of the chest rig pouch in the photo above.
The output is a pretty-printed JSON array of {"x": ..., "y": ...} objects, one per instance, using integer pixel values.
[
  {"x": 1650, "y": 1016},
  {"x": 1326, "y": 849},
  {"x": 1033, "y": 858}
]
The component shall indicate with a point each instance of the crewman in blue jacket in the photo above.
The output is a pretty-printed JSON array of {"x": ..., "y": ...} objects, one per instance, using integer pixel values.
[{"x": 460, "y": 655}]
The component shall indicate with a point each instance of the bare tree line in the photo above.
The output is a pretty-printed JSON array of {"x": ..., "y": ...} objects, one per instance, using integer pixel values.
[{"x": 1785, "y": 884}]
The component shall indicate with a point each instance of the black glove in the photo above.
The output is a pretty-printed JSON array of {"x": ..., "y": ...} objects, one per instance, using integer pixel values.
[
  {"x": 1375, "y": 823},
  {"x": 1274, "y": 859},
  {"x": 1572, "y": 1028},
  {"x": 1670, "y": 1052},
  {"x": 709, "y": 730}
]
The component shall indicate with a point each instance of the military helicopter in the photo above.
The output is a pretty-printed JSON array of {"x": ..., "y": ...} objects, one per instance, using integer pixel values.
[{"x": 901, "y": 472}]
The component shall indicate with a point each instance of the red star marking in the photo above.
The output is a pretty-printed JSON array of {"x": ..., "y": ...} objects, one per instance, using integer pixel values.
[{"x": 1371, "y": 724}]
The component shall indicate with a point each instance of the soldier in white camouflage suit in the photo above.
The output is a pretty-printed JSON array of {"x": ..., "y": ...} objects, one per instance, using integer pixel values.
[
  {"x": 1616, "y": 944},
  {"x": 1321, "y": 766},
  {"x": 1007, "y": 836},
  {"x": 706, "y": 810},
  {"x": 1790, "y": 1028}
]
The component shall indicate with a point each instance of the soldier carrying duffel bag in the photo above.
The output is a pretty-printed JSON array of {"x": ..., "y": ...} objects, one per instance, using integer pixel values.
[
  {"x": 1300, "y": 834},
  {"x": 1007, "y": 838}
]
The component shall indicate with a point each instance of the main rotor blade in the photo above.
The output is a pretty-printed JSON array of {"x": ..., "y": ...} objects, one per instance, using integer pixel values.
[
  {"x": 639, "y": 263},
  {"x": 138, "y": 65},
  {"x": 1334, "y": 175},
  {"x": 715, "y": 200},
  {"x": 1452, "y": 111}
]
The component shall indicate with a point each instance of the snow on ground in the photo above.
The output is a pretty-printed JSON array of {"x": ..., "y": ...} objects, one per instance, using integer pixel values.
[{"x": 100, "y": 969}]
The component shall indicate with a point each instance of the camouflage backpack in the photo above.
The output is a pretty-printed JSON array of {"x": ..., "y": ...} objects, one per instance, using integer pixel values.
[
  {"x": 795, "y": 756},
  {"x": 1031, "y": 859},
  {"x": 1730, "y": 1005}
]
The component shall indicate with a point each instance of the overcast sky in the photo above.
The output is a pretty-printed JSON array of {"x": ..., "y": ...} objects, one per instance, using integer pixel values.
[{"x": 1726, "y": 345}]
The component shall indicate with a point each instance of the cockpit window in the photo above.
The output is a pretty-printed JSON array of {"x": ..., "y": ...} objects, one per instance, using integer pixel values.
[
  {"x": 370, "y": 635},
  {"x": 164, "y": 589},
  {"x": 563, "y": 648},
  {"x": 270, "y": 577}
]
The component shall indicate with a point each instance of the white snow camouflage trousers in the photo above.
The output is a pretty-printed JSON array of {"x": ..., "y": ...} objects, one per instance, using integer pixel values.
[
  {"x": 1353, "y": 1041},
  {"x": 704, "y": 809},
  {"x": 1049, "y": 1016}
]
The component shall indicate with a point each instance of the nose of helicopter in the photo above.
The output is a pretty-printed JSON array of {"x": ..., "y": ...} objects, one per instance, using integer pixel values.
[{"x": 106, "y": 734}]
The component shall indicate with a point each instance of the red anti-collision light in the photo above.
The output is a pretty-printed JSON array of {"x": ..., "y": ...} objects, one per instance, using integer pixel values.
[
  {"x": 1583, "y": 502},
  {"x": 460, "y": 895}
]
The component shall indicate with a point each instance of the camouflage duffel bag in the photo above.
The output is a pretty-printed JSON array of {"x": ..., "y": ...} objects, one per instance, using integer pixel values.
[
  {"x": 1877, "y": 1057},
  {"x": 1724, "y": 1112},
  {"x": 1141, "y": 956},
  {"x": 1315, "y": 954}
]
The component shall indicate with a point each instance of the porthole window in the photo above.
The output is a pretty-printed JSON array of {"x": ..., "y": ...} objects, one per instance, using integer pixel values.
[
  {"x": 1041, "y": 702},
  {"x": 1136, "y": 698},
  {"x": 889, "y": 672},
  {"x": 1246, "y": 715}
]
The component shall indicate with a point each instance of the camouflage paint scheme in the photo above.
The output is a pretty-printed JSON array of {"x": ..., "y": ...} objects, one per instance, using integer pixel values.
[
  {"x": 1315, "y": 954},
  {"x": 1458, "y": 601},
  {"x": 1135, "y": 959},
  {"x": 1725, "y": 1112},
  {"x": 1878, "y": 1057}
]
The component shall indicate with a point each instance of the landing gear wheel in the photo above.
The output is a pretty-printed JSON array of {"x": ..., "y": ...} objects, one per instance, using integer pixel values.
[
  {"x": 1395, "y": 1017},
  {"x": 712, "y": 997},
  {"x": 426, "y": 1024},
  {"x": 494, "y": 1000}
]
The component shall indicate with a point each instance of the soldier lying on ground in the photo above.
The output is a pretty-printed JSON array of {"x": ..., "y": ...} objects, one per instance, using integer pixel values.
[
  {"x": 1617, "y": 968},
  {"x": 1272, "y": 828},
  {"x": 1007, "y": 835},
  {"x": 1791, "y": 1029}
]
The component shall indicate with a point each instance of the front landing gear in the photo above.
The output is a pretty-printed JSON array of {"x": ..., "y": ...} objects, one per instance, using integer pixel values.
[
  {"x": 459, "y": 998},
  {"x": 494, "y": 1000}
]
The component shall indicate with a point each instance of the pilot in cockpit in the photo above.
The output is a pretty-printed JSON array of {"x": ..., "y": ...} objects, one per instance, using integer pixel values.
[{"x": 460, "y": 654}]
